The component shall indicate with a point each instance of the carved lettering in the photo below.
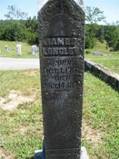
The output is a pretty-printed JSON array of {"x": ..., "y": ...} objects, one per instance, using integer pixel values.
[
  {"x": 61, "y": 85},
  {"x": 60, "y": 46},
  {"x": 60, "y": 41},
  {"x": 60, "y": 51},
  {"x": 62, "y": 73}
]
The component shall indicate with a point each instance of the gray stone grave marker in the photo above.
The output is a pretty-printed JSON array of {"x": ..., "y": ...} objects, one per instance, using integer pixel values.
[{"x": 61, "y": 32}]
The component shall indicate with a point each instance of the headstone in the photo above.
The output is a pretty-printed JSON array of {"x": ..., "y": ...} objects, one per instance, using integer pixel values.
[
  {"x": 34, "y": 50},
  {"x": 18, "y": 49},
  {"x": 97, "y": 53},
  {"x": 61, "y": 32}
]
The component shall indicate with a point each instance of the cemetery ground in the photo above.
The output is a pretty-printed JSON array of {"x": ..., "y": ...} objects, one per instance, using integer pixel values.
[
  {"x": 8, "y": 49},
  {"x": 110, "y": 61},
  {"x": 21, "y": 130},
  {"x": 102, "y": 55}
]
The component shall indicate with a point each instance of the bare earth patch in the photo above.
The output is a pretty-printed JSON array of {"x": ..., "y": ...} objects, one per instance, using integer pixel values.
[
  {"x": 23, "y": 130},
  {"x": 5, "y": 155},
  {"x": 91, "y": 135},
  {"x": 14, "y": 99},
  {"x": 30, "y": 73}
]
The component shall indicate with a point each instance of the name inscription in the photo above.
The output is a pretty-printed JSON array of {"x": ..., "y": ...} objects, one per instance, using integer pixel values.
[{"x": 61, "y": 46}]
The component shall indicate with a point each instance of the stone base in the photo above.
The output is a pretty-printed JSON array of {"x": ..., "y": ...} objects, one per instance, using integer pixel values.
[
  {"x": 39, "y": 154},
  {"x": 84, "y": 154}
]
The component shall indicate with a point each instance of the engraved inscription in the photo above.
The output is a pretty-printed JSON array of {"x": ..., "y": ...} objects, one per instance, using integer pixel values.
[
  {"x": 59, "y": 51},
  {"x": 60, "y": 41},
  {"x": 61, "y": 46},
  {"x": 61, "y": 65},
  {"x": 62, "y": 73}
]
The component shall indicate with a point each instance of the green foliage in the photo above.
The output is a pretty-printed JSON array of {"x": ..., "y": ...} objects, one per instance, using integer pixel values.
[
  {"x": 90, "y": 36},
  {"x": 112, "y": 36},
  {"x": 15, "y": 29},
  {"x": 108, "y": 33},
  {"x": 27, "y": 30},
  {"x": 12, "y": 31},
  {"x": 93, "y": 15},
  {"x": 32, "y": 30},
  {"x": 19, "y": 30},
  {"x": 89, "y": 42},
  {"x": 117, "y": 45}
]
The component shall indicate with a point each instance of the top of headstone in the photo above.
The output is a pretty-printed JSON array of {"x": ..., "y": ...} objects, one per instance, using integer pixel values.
[
  {"x": 46, "y": 3},
  {"x": 68, "y": 15},
  {"x": 41, "y": 3}
]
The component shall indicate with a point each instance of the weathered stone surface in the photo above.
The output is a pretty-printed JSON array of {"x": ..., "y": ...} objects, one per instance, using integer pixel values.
[{"x": 61, "y": 25}]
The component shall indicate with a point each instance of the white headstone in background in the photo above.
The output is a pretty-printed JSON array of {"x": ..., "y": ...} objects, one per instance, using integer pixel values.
[
  {"x": 34, "y": 50},
  {"x": 18, "y": 49}
]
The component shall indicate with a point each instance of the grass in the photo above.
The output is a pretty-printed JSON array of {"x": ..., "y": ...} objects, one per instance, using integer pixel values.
[
  {"x": 25, "y": 81},
  {"x": 26, "y": 50},
  {"x": 20, "y": 133},
  {"x": 101, "y": 108},
  {"x": 109, "y": 59},
  {"x": 21, "y": 130}
]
